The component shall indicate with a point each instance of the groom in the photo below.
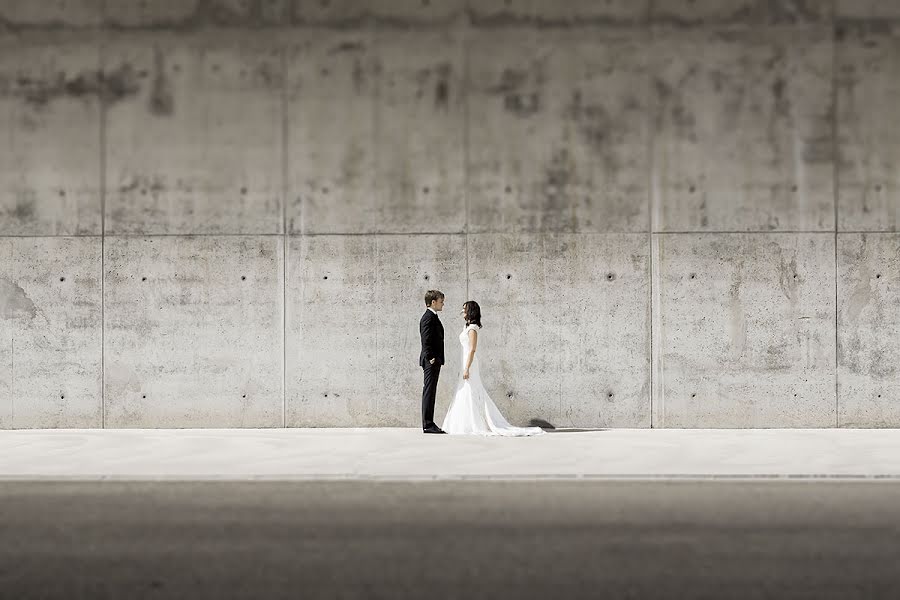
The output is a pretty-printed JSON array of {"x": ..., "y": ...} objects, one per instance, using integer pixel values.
[{"x": 432, "y": 356}]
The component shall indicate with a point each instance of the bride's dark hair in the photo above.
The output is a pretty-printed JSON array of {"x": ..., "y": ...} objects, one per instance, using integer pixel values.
[{"x": 473, "y": 313}]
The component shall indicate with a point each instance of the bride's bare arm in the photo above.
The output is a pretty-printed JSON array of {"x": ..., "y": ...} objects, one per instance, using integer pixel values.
[{"x": 473, "y": 343}]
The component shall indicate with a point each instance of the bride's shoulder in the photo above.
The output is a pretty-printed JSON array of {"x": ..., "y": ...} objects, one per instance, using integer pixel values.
[{"x": 471, "y": 327}]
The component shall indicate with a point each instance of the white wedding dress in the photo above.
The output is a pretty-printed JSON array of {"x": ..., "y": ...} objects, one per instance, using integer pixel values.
[{"x": 472, "y": 410}]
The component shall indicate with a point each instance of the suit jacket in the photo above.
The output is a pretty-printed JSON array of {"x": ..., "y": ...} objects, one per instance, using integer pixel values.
[{"x": 432, "y": 333}]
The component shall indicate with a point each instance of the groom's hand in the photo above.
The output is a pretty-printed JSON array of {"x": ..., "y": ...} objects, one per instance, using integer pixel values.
[{"x": 431, "y": 362}]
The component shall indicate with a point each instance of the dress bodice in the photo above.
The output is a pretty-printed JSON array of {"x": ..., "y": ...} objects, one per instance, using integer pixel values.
[{"x": 464, "y": 336}]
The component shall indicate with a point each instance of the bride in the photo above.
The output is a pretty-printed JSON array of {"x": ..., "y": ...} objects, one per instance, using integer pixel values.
[{"x": 472, "y": 410}]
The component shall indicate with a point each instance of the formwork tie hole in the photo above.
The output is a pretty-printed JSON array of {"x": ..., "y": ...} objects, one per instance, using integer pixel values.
[{"x": 62, "y": 278}]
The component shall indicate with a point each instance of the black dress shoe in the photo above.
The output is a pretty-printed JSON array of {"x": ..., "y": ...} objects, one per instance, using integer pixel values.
[{"x": 433, "y": 429}]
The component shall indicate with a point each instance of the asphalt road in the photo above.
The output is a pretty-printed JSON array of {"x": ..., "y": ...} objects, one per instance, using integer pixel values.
[{"x": 558, "y": 540}]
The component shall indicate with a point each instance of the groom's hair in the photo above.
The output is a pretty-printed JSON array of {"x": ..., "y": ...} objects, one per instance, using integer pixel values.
[{"x": 431, "y": 296}]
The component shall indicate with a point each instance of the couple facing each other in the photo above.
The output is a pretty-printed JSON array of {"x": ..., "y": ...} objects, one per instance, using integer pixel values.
[{"x": 472, "y": 410}]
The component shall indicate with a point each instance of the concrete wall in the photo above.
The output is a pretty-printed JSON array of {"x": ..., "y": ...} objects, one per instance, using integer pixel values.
[{"x": 224, "y": 213}]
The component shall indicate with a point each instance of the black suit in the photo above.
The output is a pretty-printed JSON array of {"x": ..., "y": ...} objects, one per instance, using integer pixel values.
[{"x": 432, "y": 333}]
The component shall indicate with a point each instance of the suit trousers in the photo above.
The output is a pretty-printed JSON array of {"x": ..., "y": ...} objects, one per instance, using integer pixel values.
[{"x": 429, "y": 391}]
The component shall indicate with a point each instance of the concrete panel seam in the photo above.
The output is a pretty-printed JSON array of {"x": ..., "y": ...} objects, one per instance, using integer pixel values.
[
  {"x": 284, "y": 229},
  {"x": 102, "y": 132},
  {"x": 835, "y": 183},
  {"x": 12, "y": 384}
]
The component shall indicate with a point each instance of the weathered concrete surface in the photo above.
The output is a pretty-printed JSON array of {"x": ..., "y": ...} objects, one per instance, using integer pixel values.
[
  {"x": 599, "y": 303},
  {"x": 330, "y": 340},
  {"x": 388, "y": 13},
  {"x": 193, "y": 331},
  {"x": 692, "y": 13},
  {"x": 354, "y": 304},
  {"x": 181, "y": 14},
  {"x": 49, "y": 92},
  {"x": 869, "y": 330},
  {"x": 572, "y": 13},
  {"x": 544, "y": 139},
  {"x": 558, "y": 131},
  {"x": 866, "y": 10},
  {"x": 565, "y": 325},
  {"x": 195, "y": 144},
  {"x": 744, "y": 330},
  {"x": 420, "y": 132},
  {"x": 331, "y": 79},
  {"x": 24, "y": 14},
  {"x": 50, "y": 332},
  {"x": 743, "y": 126},
  {"x": 407, "y": 266},
  {"x": 869, "y": 147},
  {"x": 519, "y": 345}
]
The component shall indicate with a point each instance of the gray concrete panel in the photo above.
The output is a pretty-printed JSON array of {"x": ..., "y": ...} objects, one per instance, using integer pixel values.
[
  {"x": 50, "y": 332},
  {"x": 330, "y": 334},
  {"x": 198, "y": 147},
  {"x": 742, "y": 12},
  {"x": 744, "y": 330},
  {"x": 743, "y": 124},
  {"x": 193, "y": 331},
  {"x": 180, "y": 14},
  {"x": 331, "y": 133},
  {"x": 408, "y": 266},
  {"x": 869, "y": 144},
  {"x": 869, "y": 330},
  {"x": 18, "y": 14},
  {"x": 558, "y": 131},
  {"x": 420, "y": 132},
  {"x": 50, "y": 119},
  {"x": 600, "y": 307},
  {"x": 558, "y": 14},
  {"x": 519, "y": 347}
]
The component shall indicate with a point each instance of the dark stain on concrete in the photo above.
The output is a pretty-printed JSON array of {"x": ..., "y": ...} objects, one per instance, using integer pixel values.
[
  {"x": 267, "y": 75},
  {"x": 14, "y": 302},
  {"x": 443, "y": 73},
  {"x": 518, "y": 88},
  {"x": 673, "y": 109},
  {"x": 162, "y": 101},
  {"x": 359, "y": 76},
  {"x": 219, "y": 13},
  {"x": 752, "y": 12},
  {"x": 598, "y": 128},
  {"x": 441, "y": 94},
  {"x": 556, "y": 213},
  {"x": 120, "y": 84},
  {"x": 355, "y": 47},
  {"x": 39, "y": 92},
  {"x": 24, "y": 210},
  {"x": 509, "y": 17},
  {"x": 87, "y": 85}
]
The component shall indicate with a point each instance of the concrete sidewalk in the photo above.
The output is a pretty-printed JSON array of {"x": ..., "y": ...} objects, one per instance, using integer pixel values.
[{"x": 404, "y": 454}]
